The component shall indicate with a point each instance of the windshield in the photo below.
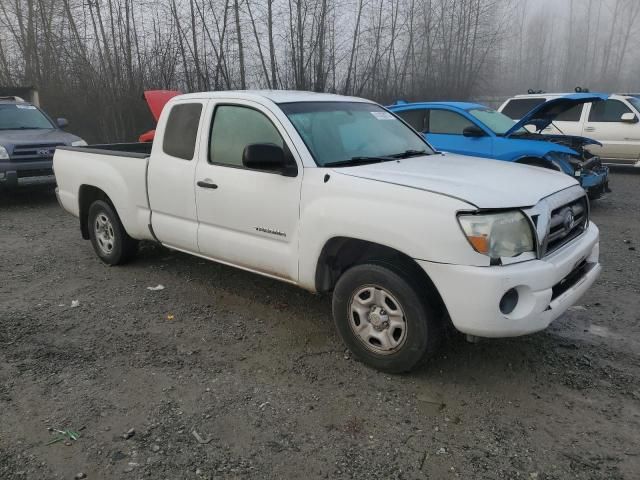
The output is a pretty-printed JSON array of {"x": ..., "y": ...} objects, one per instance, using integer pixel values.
[
  {"x": 22, "y": 117},
  {"x": 496, "y": 121},
  {"x": 635, "y": 101},
  {"x": 350, "y": 132}
]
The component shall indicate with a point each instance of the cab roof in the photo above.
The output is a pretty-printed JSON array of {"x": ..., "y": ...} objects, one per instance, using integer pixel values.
[
  {"x": 458, "y": 105},
  {"x": 276, "y": 96}
]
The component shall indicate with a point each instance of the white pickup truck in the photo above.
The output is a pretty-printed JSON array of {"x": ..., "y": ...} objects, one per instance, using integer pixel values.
[{"x": 336, "y": 194}]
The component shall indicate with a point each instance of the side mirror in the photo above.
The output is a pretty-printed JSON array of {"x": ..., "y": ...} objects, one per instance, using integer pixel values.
[
  {"x": 268, "y": 157},
  {"x": 629, "y": 118},
  {"x": 62, "y": 122},
  {"x": 473, "y": 131}
]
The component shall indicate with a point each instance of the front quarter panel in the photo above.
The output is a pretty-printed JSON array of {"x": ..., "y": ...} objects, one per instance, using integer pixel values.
[
  {"x": 418, "y": 223},
  {"x": 512, "y": 149}
]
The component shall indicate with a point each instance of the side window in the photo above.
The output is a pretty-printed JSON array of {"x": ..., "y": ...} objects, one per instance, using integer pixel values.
[
  {"x": 181, "y": 130},
  {"x": 517, "y": 108},
  {"x": 235, "y": 127},
  {"x": 444, "y": 121},
  {"x": 607, "y": 111},
  {"x": 571, "y": 115},
  {"x": 416, "y": 118}
]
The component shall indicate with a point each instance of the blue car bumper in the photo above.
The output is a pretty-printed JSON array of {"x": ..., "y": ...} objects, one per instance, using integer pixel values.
[{"x": 596, "y": 181}]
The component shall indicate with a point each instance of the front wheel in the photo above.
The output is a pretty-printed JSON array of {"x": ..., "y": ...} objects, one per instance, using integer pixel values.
[
  {"x": 384, "y": 318},
  {"x": 109, "y": 239}
]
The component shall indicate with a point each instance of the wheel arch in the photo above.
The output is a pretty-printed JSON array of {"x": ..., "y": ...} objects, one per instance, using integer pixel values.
[
  {"x": 87, "y": 194},
  {"x": 340, "y": 253}
]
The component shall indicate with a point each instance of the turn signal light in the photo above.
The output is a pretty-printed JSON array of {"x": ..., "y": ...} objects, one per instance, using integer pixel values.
[{"x": 480, "y": 243}]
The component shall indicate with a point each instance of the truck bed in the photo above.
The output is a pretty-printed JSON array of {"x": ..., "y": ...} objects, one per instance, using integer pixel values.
[{"x": 119, "y": 170}]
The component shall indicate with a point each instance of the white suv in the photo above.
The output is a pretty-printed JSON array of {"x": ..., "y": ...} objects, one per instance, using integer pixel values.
[{"x": 613, "y": 122}]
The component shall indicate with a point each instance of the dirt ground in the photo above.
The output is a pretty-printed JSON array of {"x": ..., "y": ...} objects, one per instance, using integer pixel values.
[{"x": 255, "y": 369}]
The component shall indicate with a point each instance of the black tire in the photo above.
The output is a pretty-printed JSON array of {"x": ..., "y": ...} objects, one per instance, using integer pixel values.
[
  {"x": 423, "y": 325},
  {"x": 123, "y": 247}
]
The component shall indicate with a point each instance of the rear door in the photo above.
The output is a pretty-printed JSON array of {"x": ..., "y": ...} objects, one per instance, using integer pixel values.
[
  {"x": 248, "y": 218},
  {"x": 568, "y": 123},
  {"x": 445, "y": 132},
  {"x": 620, "y": 140},
  {"x": 170, "y": 178},
  {"x": 516, "y": 108}
]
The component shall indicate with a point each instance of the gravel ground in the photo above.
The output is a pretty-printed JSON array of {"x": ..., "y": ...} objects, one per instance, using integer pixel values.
[{"x": 225, "y": 374}]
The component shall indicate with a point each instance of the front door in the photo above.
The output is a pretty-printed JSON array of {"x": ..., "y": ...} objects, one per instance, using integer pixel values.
[
  {"x": 247, "y": 218},
  {"x": 620, "y": 140},
  {"x": 445, "y": 132}
]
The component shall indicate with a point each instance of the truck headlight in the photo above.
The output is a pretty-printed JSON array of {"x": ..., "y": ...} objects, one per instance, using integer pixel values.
[
  {"x": 4, "y": 155},
  {"x": 504, "y": 234},
  {"x": 79, "y": 143}
]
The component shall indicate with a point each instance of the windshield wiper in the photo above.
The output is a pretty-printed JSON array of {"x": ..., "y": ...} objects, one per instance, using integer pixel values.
[
  {"x": 377, "y": 159},
  {"x": 359, "y": 161},
  {"x": 408, "y": 154}
]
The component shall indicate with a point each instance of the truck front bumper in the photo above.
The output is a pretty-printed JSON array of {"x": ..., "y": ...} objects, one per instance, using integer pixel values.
[
  {"x": 11, "y": 171},
  {"x": 545, "y": 289}
]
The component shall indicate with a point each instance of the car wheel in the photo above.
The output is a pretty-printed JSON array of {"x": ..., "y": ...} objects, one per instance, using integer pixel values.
[
  {"x": 109, "y": 239},
  {"x": 384, "y": 317}
]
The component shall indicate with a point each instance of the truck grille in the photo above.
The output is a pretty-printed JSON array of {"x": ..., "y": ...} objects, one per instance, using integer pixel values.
[
  {"x": 566, "y": 223},
  {"x": 559, "y": 218},
  {"x": 34, "y": 151}
]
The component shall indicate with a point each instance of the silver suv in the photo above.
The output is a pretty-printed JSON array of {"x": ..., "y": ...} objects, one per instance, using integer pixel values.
[{"x": 28, "y": 139}]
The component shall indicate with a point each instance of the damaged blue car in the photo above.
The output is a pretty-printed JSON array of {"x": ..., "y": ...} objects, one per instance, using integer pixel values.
[{"x": 477, "y": 130}]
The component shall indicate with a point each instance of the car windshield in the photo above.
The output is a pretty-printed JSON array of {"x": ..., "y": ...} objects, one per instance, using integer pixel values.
[
  {"x": 348, "y": 133},
  {"x": 496, "y": 121},
  {"x": 22, "y": 117}
]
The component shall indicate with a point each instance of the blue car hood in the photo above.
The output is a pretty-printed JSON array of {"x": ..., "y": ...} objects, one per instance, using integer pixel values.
[{"x": 543, "y": 115}]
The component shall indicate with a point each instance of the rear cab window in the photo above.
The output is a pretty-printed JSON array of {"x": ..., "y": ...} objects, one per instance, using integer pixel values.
[
  {"x": 517, "y": 108},
  {"x": 181, "y": 130}
]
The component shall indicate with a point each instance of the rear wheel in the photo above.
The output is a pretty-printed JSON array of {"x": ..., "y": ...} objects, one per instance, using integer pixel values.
[
  {"x": 109, "y": 239},
  {"x": 384, "y": 317}
]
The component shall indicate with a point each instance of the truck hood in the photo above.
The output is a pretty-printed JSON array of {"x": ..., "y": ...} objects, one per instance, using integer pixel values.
[
  {"x": 542, "y": 115},
  {"x": 24, "y": 137},
  {"x": 157, "y": 99},
  {"x": 481, "y": 182}
]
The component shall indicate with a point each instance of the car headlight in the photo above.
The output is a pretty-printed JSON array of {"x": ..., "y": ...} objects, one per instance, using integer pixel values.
[
  {"x": 4, "y": 155},
  {"x": 505, "y": 234},
  {"x": 79, "y": 143}
]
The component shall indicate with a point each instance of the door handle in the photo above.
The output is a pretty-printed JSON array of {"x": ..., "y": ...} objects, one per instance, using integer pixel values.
[
  {"x": 589, "y": 129},
  {"x": 207, "y": 184}
]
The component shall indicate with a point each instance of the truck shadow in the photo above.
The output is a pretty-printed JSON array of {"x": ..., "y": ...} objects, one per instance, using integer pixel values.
[
  {"x": 27, "y": 195},
  {"x": 308, "y": 330}
]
